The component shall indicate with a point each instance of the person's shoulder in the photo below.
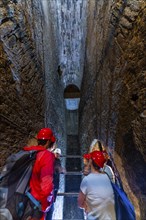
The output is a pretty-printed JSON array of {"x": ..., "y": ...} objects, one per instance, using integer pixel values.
[
  {"x": 49, "y": 153},
  {"x": 45, "y": 154},
  {"x": 97, "y": 176},
  {"x": 89, "y": 176}
]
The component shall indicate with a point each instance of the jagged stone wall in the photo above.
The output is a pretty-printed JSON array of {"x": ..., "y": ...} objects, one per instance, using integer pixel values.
[
  {"x": 30, "y": 86},
  {"x": 97, "y": 33},
  {"x": 54, "y": 100},
  {"x": 21, "y": 81},
  {"x": 112, "y": 104}
]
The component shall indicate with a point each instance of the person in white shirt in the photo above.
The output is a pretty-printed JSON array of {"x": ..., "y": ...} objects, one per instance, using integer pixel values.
[
  {"x": 97, "y": 145},
  {"x": 96, "y": 194}
]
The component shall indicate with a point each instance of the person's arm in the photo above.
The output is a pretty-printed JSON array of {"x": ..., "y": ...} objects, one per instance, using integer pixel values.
[
  {"x": 46, "y": 176},
  {"x": 82, "y": 194},
  {"x": 82, "y": 200}
]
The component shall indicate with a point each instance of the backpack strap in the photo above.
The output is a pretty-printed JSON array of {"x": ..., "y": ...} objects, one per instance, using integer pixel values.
[{"x": 34, "y": 201}]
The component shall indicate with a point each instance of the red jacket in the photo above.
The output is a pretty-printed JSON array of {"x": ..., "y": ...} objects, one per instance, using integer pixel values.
[{"x": 41, "y": 182}]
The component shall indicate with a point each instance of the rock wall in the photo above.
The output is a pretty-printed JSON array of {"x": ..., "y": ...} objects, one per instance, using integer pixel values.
[
  {"x": 112, "y": 104},
  {"x": 54, "y": 100},
  {"x": 97, "y": 33},
  {"x": 71, "y": 20},
  {"x": 30, "y": 85},
  {"x": 21, "y": 81}
]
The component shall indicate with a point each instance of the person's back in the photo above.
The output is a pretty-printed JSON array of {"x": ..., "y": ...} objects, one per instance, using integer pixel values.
[
  {"x": 96, "y": 193},
  {"x": 99, "y": 196},
  {"x": 41, "y": 181}
]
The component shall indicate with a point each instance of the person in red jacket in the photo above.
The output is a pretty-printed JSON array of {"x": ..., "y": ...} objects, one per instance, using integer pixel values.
[{"x": 41, "y": 182}]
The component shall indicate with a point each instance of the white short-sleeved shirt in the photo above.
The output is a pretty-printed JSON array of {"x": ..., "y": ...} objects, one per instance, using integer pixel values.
[{"x": 99, "y": 197}]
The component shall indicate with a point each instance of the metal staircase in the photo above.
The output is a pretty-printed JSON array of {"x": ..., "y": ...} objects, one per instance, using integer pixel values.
[
  {"x": 72, "y": 180},
  {"x": 73, "y": 173}
]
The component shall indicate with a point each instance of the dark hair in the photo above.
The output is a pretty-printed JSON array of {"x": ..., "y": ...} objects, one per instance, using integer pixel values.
[
  {"x": 51, "y": 144},
  {"x": 96, "y": 167},
  {"x": 100, "y": 146},
  {"x": 42, "y": 142}
]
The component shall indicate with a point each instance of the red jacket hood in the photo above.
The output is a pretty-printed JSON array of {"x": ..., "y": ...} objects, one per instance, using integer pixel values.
[{"x": 37, "y": 148}]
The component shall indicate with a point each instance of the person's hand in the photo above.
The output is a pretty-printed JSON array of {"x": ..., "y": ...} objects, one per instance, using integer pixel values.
[
  {"x": 85, "y": 207},
  {"x": 86, "y": 170},
  {"x": 50, "y": 198}
]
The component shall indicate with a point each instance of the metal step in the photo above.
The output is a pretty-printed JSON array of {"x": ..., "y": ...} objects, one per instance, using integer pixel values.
[
  {"x": 74, "y": 173},
  {"x": 70, "y": 194},
  {"x": 72, "y": 156}
]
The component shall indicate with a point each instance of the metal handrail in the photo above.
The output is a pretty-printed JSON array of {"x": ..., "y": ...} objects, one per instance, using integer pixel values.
[
  {"x": 71, "y": 156},
  {"x": 72, "y": 194},
  {"x": 74, "y": 173}
]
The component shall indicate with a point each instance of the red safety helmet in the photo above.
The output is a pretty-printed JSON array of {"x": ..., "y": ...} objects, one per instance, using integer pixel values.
[
  {"x": 45, "y": 134},
  {"x": 97, "y": 156},
  {"x": 87, "y": 156}
]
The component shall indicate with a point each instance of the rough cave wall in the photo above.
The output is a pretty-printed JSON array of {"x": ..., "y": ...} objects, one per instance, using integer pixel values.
[
  {"x": 97, "y": 34},
  {"x": 26, "y": 76},
  {"x": 113, "y": 91},
  {"x": 71, "y": 19},
  {"x": 22, "y": 87},
  {"x": 54, "y": 104}
]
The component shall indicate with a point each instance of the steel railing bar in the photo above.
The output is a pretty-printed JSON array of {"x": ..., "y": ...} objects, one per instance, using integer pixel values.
[
  {"x": 72, "y": 194},
  {"x": 71, "y": 156}
]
